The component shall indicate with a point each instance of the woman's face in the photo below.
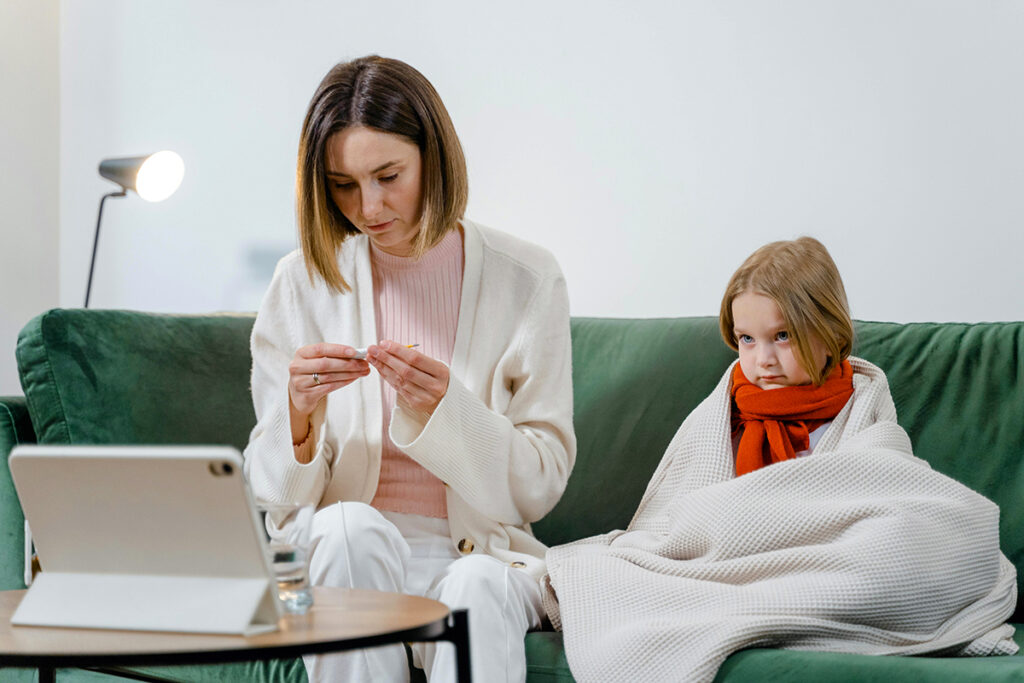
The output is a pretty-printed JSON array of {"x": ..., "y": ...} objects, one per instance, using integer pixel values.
[{"x": 375, "y": 181}]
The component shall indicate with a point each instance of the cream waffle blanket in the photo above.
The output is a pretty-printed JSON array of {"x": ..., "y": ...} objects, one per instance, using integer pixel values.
[{"x": 859, "y": 548}]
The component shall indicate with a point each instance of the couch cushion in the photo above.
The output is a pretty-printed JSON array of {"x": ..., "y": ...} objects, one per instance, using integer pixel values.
[
  {"x": 794, "y": 666},
  {"x": 93, "y": 377},
  {"x": 15, "y": 428},
  {"x": 547, "y": 664}
]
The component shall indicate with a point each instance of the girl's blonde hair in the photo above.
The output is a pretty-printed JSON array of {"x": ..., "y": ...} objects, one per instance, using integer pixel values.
[
  {"x": 801, "y": 277},
  {"x": 390, "y": 96}
]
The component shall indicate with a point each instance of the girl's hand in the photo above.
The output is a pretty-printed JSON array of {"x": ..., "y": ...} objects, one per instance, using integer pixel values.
[
  {"x": 315, "y": 371},
  {"x": 420, "y": 382}
]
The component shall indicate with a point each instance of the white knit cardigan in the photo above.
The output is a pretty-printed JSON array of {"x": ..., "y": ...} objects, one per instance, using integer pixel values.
[
  {"x": 501, "y": 438},
  {"x": 860, "y": 547}
]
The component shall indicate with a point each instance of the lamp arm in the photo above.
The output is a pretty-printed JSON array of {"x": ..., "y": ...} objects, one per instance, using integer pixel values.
[{"x": 96, "y": 241}]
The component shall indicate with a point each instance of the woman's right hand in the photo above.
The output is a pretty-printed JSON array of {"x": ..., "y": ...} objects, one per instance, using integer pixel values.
[{"x": 315, "y": 371}]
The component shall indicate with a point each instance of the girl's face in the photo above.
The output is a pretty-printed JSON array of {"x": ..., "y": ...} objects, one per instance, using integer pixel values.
[
  {"x": 375, "y": 181},
  {"x": 767, "y": 355}
]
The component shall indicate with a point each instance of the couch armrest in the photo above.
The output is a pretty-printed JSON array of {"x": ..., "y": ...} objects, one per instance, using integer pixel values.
[{"x": 15, "y": 428}]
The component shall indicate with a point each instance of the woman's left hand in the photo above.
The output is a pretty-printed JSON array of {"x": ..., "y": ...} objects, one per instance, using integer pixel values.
[{"x": 420, "y": 381}]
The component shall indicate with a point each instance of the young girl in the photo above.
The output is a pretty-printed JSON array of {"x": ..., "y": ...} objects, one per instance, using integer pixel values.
[
  {"x": 785, "y": 312},
  {"x": 788, "y": 511}
]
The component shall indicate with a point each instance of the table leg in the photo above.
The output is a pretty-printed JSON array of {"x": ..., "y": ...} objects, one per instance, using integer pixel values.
[
  {"x": 458, "y": 633},
  {"x": 47, "y": 674}
]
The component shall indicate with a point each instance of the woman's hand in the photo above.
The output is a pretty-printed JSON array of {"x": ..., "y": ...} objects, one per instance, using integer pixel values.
[
  {"x": 420, "y": 382},
  {"x": 315, "y": 371}
]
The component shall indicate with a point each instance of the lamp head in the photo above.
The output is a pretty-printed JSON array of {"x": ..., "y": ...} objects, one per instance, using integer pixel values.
[{"x": 154, "y": 177}]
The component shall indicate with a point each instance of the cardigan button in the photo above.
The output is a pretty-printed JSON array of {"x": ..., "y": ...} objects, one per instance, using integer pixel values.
[
  {"x": 465, "y": 546},
  {"x": 517, "y": 565}
]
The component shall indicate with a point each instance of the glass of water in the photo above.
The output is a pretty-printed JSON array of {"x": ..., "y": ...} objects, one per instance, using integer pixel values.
[{"x": 289, "y": 526}]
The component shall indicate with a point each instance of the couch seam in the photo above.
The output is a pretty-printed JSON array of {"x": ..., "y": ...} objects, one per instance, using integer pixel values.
[{"x": 51, "y": 381}]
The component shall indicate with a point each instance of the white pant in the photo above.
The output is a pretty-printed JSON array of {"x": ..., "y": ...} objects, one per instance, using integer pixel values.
[{"x": 357, "y": 546}]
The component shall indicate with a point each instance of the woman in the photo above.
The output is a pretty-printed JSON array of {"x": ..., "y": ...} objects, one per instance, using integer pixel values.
[{"x": 426, "y": 476}]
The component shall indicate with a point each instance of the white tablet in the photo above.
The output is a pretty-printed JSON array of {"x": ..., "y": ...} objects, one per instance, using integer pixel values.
[{"x": 144, "y": 537}]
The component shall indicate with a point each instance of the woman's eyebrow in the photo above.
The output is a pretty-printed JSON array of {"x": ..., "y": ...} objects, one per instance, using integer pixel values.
[{"x": 376, "y": 170}]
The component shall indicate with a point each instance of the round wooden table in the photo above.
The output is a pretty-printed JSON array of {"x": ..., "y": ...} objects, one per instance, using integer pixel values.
[{"x": 340, "y": 619}]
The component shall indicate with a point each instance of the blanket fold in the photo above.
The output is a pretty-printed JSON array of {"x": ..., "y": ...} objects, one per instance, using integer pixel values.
[{"x": 860, "y": 548}]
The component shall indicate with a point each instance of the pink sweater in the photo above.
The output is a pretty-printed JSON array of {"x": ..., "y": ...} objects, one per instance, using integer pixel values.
[{"x": 415, "y": 302}]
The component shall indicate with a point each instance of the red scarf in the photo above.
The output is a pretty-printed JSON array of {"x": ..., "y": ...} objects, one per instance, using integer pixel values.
[{"x": 777, "y": 422}]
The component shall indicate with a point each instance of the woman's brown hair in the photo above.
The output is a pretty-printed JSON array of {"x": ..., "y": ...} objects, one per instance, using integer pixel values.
[
  {"x": 389, "y": 96},
  {"x": 801, "y": 277}
]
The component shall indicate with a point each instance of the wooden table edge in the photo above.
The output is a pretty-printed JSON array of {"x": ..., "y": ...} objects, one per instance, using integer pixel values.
[{"x": 236, "y": 648}]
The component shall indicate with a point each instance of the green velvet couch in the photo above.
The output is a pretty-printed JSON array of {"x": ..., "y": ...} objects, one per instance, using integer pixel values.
[{"x": 127, "y": 377}]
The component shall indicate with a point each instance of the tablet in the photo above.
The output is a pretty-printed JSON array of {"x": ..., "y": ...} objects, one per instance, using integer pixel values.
[{"x": 144, "y": 537}]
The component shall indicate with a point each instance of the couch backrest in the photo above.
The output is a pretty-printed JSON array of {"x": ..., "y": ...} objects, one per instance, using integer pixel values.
[
  {"x": 959, "y": 393},
  {"x": 95, "y": 377},
  {"x": 634, "y": 381},
  {"x": 126, "y": 377}
]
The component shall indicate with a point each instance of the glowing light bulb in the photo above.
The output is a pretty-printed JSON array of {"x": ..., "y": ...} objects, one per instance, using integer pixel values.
[{"x": 159, "y": 176}]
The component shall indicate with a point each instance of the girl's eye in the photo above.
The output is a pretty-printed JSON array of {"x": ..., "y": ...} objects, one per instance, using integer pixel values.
[
  {"x": 343, "y": 186},
  {"x": 782, "y": 336},
  {"x": 389, "y": 178},
  {"x": 746, "y": 339}
]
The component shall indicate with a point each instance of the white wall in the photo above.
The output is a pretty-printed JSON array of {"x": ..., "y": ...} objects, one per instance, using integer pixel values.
[
  {"x": 29, "y": 191},
  {"x": 650, "y": 145}
]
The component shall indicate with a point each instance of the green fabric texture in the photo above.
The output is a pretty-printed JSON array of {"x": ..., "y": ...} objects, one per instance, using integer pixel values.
[
  {"x": 795, "y": 666},
  {"x": 126, "y": 377},
  {"x": 94, "y": 377},
  {"x": 634, "y": 381},
  {"x": 547, "y": 664},
  {"x": 15, "y": 428},
  {"x": 85, "y": 676},
  {"x": 270, "y": 671},
  {"x": 959, "y": 393},
  {"x": 545, "y": 658}
]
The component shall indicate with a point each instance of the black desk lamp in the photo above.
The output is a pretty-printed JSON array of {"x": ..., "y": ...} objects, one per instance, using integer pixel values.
[{"x": 154, "y": 178}]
